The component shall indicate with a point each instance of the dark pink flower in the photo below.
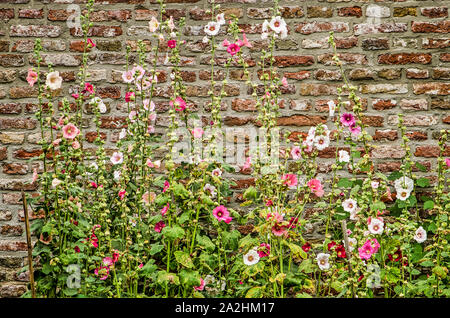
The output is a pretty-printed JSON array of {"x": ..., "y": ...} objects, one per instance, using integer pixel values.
[
  {"x": 122, "y": 194},
  {"x": 355, "y": 130},
  {"x": 88, "y": 88},
  {"x": 233, "y": 49},
  {"x": 221, "y": 214},
  {"x": 90, "y": 43},
  {"x": 159, "y": 226},
  {"x": 103, "y": 271},
  {"x": 179, "y": 104},
  {"x": 166, "y": 186},
  {"x": 129, "y": 96},
  {"x": 202, "y": 285},
  {"x": 172, "y": 44},
  {"x": 264, "y": 250},
  {"x": 347, "y": 119},
  {"x": 290, "y": 180}
]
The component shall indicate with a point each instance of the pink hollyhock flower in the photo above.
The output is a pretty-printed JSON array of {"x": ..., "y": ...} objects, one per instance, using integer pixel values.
[
  {"x": 347, "y": 119},
  {"x": 138, "y": 72},
  {"x": 179, "y": 104},
  {"x": 279, "y": 229},
  {"x": 221, "y": 214},
  {"x": 88, "y": 88},
  {"x": 90, "y": 42},
  {"x": 290, "y": 180},
  {"x": 76, "y": 144},
  {"x": 225, "y": 43},
  {"x": 172, "y": 44},
  {"x": 197, "y": 132},
  {"x": 127, "y": 76},
  {"x": 165, "y": 209},
  {"x": 248, "y": 163},
  {"x": 32, "y": 77},
  {"x": 202, "y": 285},
  {"x": 159, "y": 226},
  {"x": 166, "y": 186},
  {"x": 296, "y": 152},
  {"x": 141, "y": 265},
  {"x": 245, "y": 42},
  {"x": 264, "y": 250},
  {"x": 355, "y": 130},
  {"x": 284, "y": 82},
  {"x": 447, "y": 162},
  {"x": 70, "y": 131},
  {"x": 365, "y": 251},
  {"x": 122, "y": 194},
  {"x": 115, "y": 256},
  {"x": 107, "y": 261},
  {"x": 132, "y": 116},
  {"x": 103, "y": 271},
  {"x": 293, "y": 223},
  {"x": 316, "y": 187},
  {"x": 277, "y": 217},
  {"x": 269, "y": 203},
  {"x": 306, "y": 247},
  {"x": 35, "y": 175},
  {"x": 75, "y": 95},
  {"x": 94, "y": 185},
  {"x": 233, "y": 49},
  {"x": 116, "y": 158},
  {"x": 129, "y": 96},
  {"x": 77, "y": 249}
]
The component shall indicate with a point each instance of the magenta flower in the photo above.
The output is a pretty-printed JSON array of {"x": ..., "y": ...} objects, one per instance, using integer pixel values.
[
  {"x": 115, "y": 256},
  {"x": 70, "y": 131},
  {"x": 369, "y": 248},
  {"x": 233, "y": 49},
  {"x": 355, "y": 130},
  {"x": 221, "y": 214},
  {"x": 159, "y": 226},
  {"x": 108, "y": 261},
  {"x": 179, "y": 104},
  {"x": 447, "y": 162},
  {"x": 88, "y": 88},
  {"x": 172, "y": 44},
  {"x": 90, "y": 42},
  {"x": 129, "y": 96},
  {"x": 32, "y": 77},
  {"x": 165, "y": 209},
  {"x": 347, "y": 119},
  {"x": 103, "y": 271},
  {"x": 122, "y": 194},
  {"x": 290, "y": 180},
  {"x": 264, "y": 250},
  {"x": 166, "y": 186},
  {"x": 225, "y": 43}
]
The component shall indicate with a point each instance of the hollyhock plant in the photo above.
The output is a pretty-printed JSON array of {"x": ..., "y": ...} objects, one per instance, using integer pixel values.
[
  {"x": 323, "y": 261},
  {"x": 117, "y": 158},
  {"x": 252, "y": 257},
  {"x": 197, "y": 132},
  {"x": 296, "y": 152},
  {"x": 159, "y": 226},
  {"x": 376, "y": 225},
  {"x": 172, "y": 44},
  {"x": 420, "y": 235},
  {"x": 201, "y": 286},
  {"x": 179, "y": 104},
  {"x": 53, "y": 80},
  {"x": 316, "y": 187},
  {"x": 264, "y": 250},
  {"x": 233, "y": 49},
  {"x": 127, "y": 76},
  {"x": 102, "y": 271}
]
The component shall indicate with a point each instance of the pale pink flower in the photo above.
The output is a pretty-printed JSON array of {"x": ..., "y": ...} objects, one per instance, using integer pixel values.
[
  {"x": 248, "y": 163},
  {"x": 284, "y": 82},
  {"x": 107, "y": 261},
  {"x": 355, "y": 130},
  {"x": 197, "y": 132},
  {"x": 117, "y": 158},
  {"x": 245, "y": 42},
  {"x": 127, "y": 76},
  {"x": 76, "y": 144},
  {"x": 216, "y": 172},
  {"x": 138, "y": 72},
  {"x": 35, "y": 175},
  {"x": 70, "y": 131},
  {"x": 32, "y": 77}
]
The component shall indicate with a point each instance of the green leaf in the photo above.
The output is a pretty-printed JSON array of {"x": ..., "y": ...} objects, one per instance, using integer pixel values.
[
  {"x": 149, "y": 268},
  {"x": 255, "y": 292},
  {"x": 420, "y": 166},
  {"x": 189, "y": 278},
  {"x": 250, "y": 193},
  {"x": 173, "y": 232},
  {"x": 395, "y": 175},
  {"x": 428, "y": 205},
  {"x": 231, "y": 239},
  {"x": 344, "y": 183},
  {"x": 423, "y": 182},
  {"x": 165, "y": 278},
  {"x": 378, "y": 206},
  {"x": 205, "y": 242},
  {"x": 162, "y": 199},
  {"x": 184, "y": 259},
  {"x": 70, "y": 291},
  {"x": 156, "y": 248},
  {"x": 297, "y": 251},
  {"x": 180, "y": 191}
]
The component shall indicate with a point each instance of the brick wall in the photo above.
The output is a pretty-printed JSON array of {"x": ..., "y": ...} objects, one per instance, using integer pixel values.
[{"x": 397, "y": 53}]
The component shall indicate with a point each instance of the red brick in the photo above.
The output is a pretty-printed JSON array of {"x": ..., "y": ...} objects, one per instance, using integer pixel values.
[
  {"x": 350, "y": 12},
  {"x": 435, "y": 12},
  {"x": 430, "y": 27},
  {"x": 31, "y": 13},
  {"x": 404, "y": 58},
  {"x": 294, "y": 60}
]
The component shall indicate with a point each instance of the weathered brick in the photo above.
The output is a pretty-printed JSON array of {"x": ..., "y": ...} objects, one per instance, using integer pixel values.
[
  {"x": 405, "y": 58},
  {"x": 6, "y": 14},
  {"x": 384, "y": 88},
  {"x": 375, "y": 44},
  {"x": 432, "y": 88},
  {"x": 11, "y": 137},
  {"x": 9, "y": 60},
  {"x": 388, "y": 152},
  {"x": 417, "y": 73},
  {"x": 11, "y": 230},
  {"x": 319, "y": 12},
  {"x": 404, "y": 11},
  {"x": 294, "y": 60},
  {"x": 346, "y": 58},
  {"x": 301, "y": 120},
  {"x": 435, "y": 12},
  {"x": 441, "y": 73},
  {"x": 372, "y": 28},
  {"x": 51, "y": 31},
  {"x": 414, "y": 104},
  {"x": 350, "y": 11},
  {"x": 31, "y": 13},
  {"x": 413, "y": 120},
  {"x": 382, "y": 104},
  {"x": 314, "y": 27},
  {"x": 430, "y": 27}
]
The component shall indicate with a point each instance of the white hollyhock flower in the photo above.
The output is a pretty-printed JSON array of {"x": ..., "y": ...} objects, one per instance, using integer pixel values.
[
  {"x": 117, "y": 174},
  {"x": 344, "y": 156},
  {"x": 100, "y": 104},
  {"x": 252, "y": 257},
  {"x": 331, "y": 107},
  {"x": 349, "y": 205},
  {"x": 375, "y": 184},
  {"x": 278, "y": 25},
  {"x": 323, "y": 261},
  {"x": 354, "y": 215},
  {"x": 321, "y": 142},
  {"x": 421, "y": 235},
  {"x": 211, "y": 189},
  {"x": 352, "y": 242},
  {"x": 376, "y": 226},
  {"x": 56, "y": 182},
  {"x": 53, "y": 80},
  {"x": 216, "y": 172},
  {"x": 404, "y": 183},
  {"x": 153, "y": 25},
  {"x": 212, "y": 28},
  {"x": 265, "y": 27},
  {"x": 403, "y": 194},
  {"x": 170, "y": 24},
  {"x": 117, "y": 158},
  {"x": 220, "y": 18},
  {"x": 123, "y": 133}
]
